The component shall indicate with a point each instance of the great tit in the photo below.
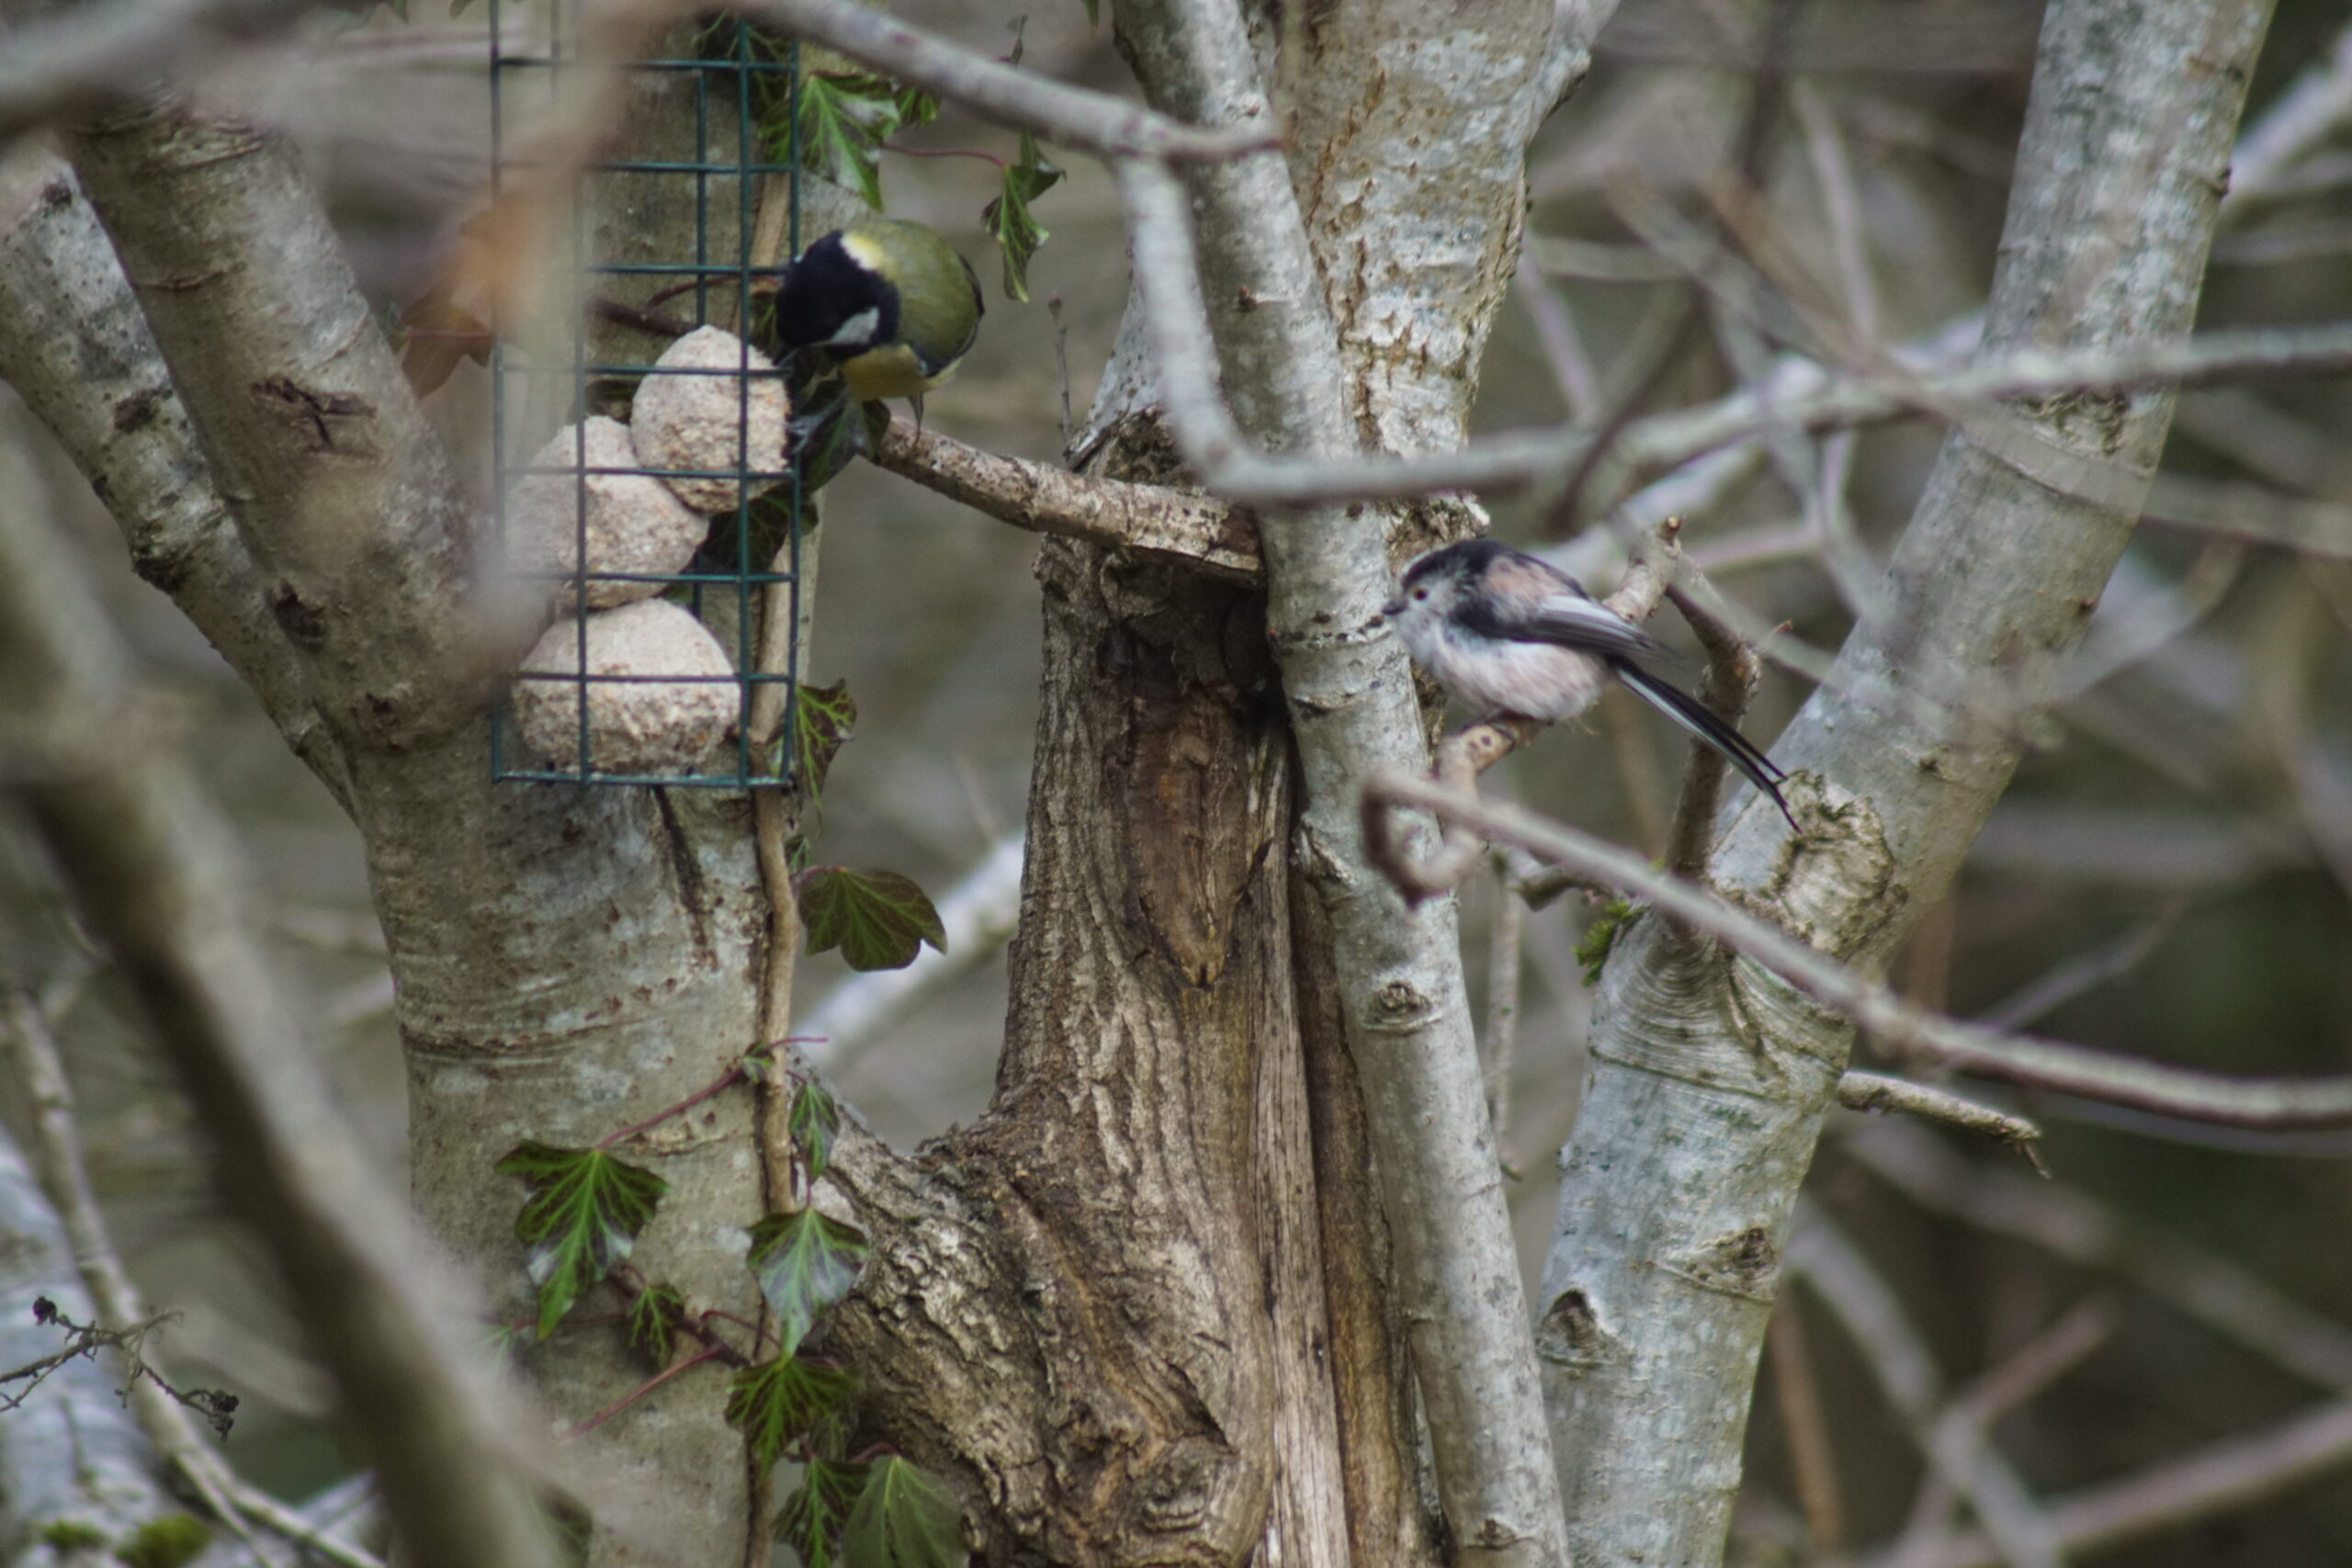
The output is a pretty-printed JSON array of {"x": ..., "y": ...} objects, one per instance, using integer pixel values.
[{"x": 890, "y": 300}]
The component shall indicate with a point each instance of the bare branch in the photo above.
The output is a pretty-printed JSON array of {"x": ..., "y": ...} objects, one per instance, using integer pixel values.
[
  {"x": 148, "y": 861},
  {"x": 1087, "y": 121},
  {"x": 2177, "y": 1091},
  {"x": 1230, "y": 467},
  {"x": 2217, "y": 1479},
  {"x": 340, "y": 488},
  {"x": 101, "y": 56},
  {"x": 1733, "y": 670},
  {"x": 2074, "y": 1225},
  {"x": 163, "y": 1413},
  {"x": 1048, "y": 499},
  {"x": 1906, "y": 1375},
  {"x": 76, "y": 347},
  {"x": 1960, "y": 1432},
  {"x": 1877, "y": 1092},
  {"x": 69, "y": 1449},
  {"x": 1812, "y": 1454},
  {"x": 1347, "y": 682}
]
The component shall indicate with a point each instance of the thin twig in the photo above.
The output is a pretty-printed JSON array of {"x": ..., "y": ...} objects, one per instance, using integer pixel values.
[
  {"x": 2074, "y": 1225},
  {"x": 772, "y": 826},
  {"x": 1846, "y": 1283},
  {"x": 1960, "y": 1432},
  {"x": 2070, "y": 978},
  {"x": 1502, "y": 995},
  {"x": 2232, "y": 1473},
  {"x": 1813, "y": 1457},
  {"x": 56, "y": 1152},
  {"x": 1876, "y": 1092},
  {"x": 1733, "y": 670},
  {"x": 148, "y": 861},
  {"x": 2191, "y": 1095}
]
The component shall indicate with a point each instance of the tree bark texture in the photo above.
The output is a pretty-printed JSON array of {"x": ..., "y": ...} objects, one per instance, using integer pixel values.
[
  {"x": 1709, "y": 1076},
  {"x": 568, "y": 962},
  {"x": 1198, "y": 1357},
  {"x": 1145, "y": 1309}
]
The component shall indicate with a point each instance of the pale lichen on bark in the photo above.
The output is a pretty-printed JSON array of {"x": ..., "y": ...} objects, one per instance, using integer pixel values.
[{"x": 1706, "y": 1101}]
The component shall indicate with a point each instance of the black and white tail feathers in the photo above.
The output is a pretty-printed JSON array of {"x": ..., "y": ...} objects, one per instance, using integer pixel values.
[{"x": 1702, "y": 721}]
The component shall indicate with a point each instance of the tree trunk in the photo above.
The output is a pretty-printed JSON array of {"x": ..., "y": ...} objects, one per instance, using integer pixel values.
[{"x": 1710, "y": 1076}]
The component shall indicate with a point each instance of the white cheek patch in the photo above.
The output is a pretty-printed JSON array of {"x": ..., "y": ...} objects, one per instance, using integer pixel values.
[{"x": 856, "y": 331}]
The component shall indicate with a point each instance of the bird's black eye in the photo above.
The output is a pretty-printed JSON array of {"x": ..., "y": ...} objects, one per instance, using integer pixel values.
[{"x": 1420, "y": 593}]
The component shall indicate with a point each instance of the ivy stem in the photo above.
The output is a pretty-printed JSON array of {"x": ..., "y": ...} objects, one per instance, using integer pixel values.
[
  {"x": 726, "y": 1080},
  {"x": 648, "y": 1386},
  {"x": 947, "y": 153}
]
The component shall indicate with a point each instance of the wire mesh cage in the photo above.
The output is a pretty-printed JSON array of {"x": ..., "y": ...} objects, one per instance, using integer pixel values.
[{"x": 639, "y": 436}]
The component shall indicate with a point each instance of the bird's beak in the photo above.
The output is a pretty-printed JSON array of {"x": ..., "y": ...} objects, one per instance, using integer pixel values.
[{"x": 1394, "y": 607}]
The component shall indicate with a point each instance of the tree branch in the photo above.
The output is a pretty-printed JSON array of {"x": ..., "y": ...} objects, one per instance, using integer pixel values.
[
  {"x": 148, "y": 861},
  {"x": 1989, "y": 588},
  {"x": 2072, "y": 1224},
  {"x": 1877, "y": 1093},
  {"x": 1048, "y": 499},
  {"x": 1088, "y": 121},
  {"x": 100, "y": 56},
  {"x": 68, "y": 1449},
  {"x": 339, "y": 489},
  {"x": 163, "y": 1413},
  {"x": 1265, "y": 317},
  {"x": 76, "y": 347},
  {"x": 1898, "y": 1357},
  {"x": 2232, "y": 1473},
  {"x": 2177, "y": 1091}
]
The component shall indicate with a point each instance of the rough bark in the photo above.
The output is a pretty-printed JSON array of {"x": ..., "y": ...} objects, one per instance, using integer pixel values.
[
  {"x": 1282, "y": 296},
  {"x": 1113, "y": 1371},
  {"x": 1144, "y": 1310},
  {"x": 1200, "y": 1358},
  {"x": 568, "y": 962},
  {"x": 1710, "y": 1077}
]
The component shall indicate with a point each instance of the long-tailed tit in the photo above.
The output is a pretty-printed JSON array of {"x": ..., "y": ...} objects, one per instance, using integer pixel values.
[{"x": 1502, "y": 631}]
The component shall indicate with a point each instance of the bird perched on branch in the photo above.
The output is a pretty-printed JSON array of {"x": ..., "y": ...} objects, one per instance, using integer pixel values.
[
  {"x": 890, "y": 301},
  {"x": 1507, "y": 632}
]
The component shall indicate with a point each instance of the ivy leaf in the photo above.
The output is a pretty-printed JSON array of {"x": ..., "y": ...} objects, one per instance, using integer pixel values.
[
  {"x": 804, "y": 1263},
  {"x": 827, "y": 430},
  {"x": 1093, "y": 11},
  {"x": 1017, "y": 234},
  {"x": 580, "y": 1219},
  {"x": 844, "y": 118},
  {"x": 652, "y": 1319},
  {"x": 878, "y": 918},
  {"x": 915, "y": 107},
  {"x": 810, "y": 1520},
  {"x": 823, "y": 717},
  {"x": 815, "y": 1120},
  {"x": 906, "y": 1518},
  {"x": 777, "y": 1403}
]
